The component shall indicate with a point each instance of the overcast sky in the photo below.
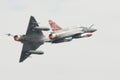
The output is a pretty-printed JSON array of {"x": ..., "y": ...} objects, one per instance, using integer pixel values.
[{"x": 95, "y": 58}]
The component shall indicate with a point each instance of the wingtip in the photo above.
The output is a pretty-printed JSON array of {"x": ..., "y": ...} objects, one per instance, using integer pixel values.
[
  {"x": 31, "y": 16},
  {"x": 20, "y": 61}
]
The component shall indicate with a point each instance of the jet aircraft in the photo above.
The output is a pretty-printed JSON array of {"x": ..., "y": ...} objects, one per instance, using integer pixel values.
[
  {"x": 33, "y": 38},
  {"x": 59, "y": 35}
]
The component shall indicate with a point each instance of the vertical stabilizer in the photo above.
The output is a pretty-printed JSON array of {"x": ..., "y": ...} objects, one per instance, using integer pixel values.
[{"x": 54, "y": 26}]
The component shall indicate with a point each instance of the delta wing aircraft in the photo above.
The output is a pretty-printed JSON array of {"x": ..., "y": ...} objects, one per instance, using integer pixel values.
[
  {"x": 59, "y": 35},
  {"x": 34, "y": 36},
  {"x": 31, "y": 40}
]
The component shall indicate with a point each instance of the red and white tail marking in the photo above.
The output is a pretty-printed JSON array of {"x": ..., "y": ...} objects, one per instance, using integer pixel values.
[{"x": 54, "y": 26}]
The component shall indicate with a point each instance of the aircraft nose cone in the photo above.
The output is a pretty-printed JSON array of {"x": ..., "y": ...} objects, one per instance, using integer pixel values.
[{"x": 93, "y": 30}]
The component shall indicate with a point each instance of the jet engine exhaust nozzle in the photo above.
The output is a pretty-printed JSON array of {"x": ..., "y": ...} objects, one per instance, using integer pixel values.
[
  {"x": 52, "y": 36},
  {"x": 17, "y": 38}
]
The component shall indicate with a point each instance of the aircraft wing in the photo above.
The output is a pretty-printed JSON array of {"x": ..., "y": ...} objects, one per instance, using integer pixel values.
[
  {"x": 32, "y": 24},
  {"x": 27, "y": 47}
]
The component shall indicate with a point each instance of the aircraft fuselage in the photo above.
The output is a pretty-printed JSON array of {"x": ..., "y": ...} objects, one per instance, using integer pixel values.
[
  {"x": 66, "y": 35},
  {"x": 29, "y": 38}
]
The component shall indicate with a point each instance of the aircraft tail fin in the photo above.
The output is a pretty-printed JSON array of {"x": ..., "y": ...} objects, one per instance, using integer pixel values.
[{"x": 54, "y": 26}]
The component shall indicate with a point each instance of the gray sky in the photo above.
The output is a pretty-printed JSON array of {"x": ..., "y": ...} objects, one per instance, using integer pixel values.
[{"x": 95, "y": 58}]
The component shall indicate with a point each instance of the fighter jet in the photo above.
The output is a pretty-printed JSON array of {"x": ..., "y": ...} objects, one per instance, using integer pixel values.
[
  {"x": 31, "y": 40},
  {"x": 59, "y": 35},
  {"x": 34, "y": 36}
]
